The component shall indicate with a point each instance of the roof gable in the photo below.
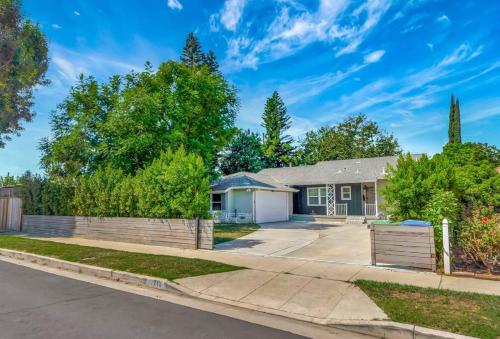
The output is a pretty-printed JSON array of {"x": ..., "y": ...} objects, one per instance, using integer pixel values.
[{"x": 243, "y": 180}]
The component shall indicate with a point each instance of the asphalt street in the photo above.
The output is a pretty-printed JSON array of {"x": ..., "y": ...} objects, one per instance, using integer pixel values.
[{"x": 36, "y": 304}]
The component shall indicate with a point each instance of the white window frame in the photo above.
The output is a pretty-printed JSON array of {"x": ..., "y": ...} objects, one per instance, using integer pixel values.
[
  {"x": 319, "y": 196},
  {"x": 342, "y": 192},
  {"x": 217, "y": 202}
]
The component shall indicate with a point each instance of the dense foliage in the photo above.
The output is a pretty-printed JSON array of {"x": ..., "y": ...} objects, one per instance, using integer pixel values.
[
  {"x": 456, "y": 184},
  {"x": 175, "y": 185},
  {"x": 243, "y": 154},
  {"x": 23, "y": 64},
  {"x": 277, "y": 145},
  {"x": 356, "y": 137},
  {"x": 479, "y": 238},
  {"x": 129, "y": 121},
  {"x": 40, "y": 195}
]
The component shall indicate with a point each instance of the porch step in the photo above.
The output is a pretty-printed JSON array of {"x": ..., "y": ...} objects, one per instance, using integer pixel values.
[
  {"x": 355, "y": 219},
  {"x": 325, "y": 218}
]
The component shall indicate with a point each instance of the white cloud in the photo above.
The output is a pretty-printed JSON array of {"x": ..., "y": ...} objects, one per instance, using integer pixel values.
[
  {"x": 68, "y": 65},
  {"x": 55, "y": 26},
  {"x": 231, "y": 13},
  {"x": 76, "y": 13},
  {"x": 174, "y": 4},
  {"x": 334, "y": 23},
  {"x": 67, "y": 68},
  {"x": 229, "y": 16},
  {"x": 443, "y": 19},
  {"x": 374, "y": 56},
  {"x": 431, "y": 46}
]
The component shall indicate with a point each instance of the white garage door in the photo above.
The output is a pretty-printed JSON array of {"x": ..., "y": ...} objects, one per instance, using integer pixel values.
[{"x": 271, "y": 206}]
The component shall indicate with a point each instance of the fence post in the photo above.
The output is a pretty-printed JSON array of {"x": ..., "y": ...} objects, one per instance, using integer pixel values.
[
  {"x": 197, "y": 233},
  {"x": 446, "y": 247}
]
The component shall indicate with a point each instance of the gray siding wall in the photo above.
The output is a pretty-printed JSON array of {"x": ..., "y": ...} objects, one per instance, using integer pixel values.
[
  {"x": 300, "y": 202},
  {"x": 354, "y": 206}
]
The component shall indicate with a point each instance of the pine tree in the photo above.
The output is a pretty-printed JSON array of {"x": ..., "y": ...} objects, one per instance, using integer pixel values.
[
  {"x": 457, "y": 125},
  {"x": 451, "y": 129},
  {"x": 191, "y": 53},
  {"x": 277, "y": 146},
  {"x": 210, "y": 60}
]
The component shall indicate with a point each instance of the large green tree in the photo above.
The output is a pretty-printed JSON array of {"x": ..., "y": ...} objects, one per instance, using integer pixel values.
[
  {"x": 243, "y": 154},
  {"x": 356, "y": 137},
  {"x": 277, "y": 145},
  {"x": 23, "y": 64},
  {"x": 454, "y": 127},
  {"x": 132, "y": 119}
]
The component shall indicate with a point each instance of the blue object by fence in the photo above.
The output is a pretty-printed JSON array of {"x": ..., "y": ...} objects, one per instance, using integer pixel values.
[{"x": 416, "y": 223}]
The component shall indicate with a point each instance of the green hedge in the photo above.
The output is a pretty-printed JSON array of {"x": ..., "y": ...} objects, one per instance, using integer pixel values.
[{"x": 176, "y": 185}]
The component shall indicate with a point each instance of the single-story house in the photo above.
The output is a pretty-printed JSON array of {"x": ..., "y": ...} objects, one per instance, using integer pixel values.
[{"x": 336, "y": 188}]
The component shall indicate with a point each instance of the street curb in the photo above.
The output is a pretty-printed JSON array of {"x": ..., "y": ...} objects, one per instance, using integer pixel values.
[
  {"x": 126, "y": 277},
  {"x": 381, "y": 329},
  {"x": 390, "y": 329}
]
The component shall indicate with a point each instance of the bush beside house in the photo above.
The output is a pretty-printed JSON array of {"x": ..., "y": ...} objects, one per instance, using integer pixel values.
[{"x": 460, "y": 184}]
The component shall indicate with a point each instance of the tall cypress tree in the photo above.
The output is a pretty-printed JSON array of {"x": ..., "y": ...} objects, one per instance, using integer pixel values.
[
  {"x": 451, "y": 129},
  {"x": 454, "y": 128},
  {"x": 192, "y": 54},
  {"x": 277, "y": 145},
  {"x": 457, "y": 125}
]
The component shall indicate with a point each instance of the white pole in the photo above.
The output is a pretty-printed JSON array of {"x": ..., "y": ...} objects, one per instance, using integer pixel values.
[
  {"x": 376, "y": 200},
  {"x": 446, "y": 247}
]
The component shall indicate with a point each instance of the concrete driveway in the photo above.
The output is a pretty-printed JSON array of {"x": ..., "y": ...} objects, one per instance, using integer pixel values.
[{"x": 344, "y": 243}]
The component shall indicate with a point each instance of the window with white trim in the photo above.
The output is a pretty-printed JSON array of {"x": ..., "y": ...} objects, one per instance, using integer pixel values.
[
  {"x": 216, "y": 202},
  {"x": 345, "y": 192},
  {"x": 316, "y": 196}
]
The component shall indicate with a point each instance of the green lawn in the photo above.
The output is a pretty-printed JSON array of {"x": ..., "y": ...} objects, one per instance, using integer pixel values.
[
  {"x": 228, "y": 232},
  {"x": 161, "y": 266},
  {"x": 469, "y": 314}
]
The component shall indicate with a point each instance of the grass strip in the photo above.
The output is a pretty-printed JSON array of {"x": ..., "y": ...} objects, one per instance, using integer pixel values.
[
  {"x": 471, "y": 314},
  {"x": 228, "y": 232},
  {"x": 160, "y": 266}
]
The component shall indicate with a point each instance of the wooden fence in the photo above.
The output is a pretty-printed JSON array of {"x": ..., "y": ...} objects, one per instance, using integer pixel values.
[
  {"x": 182, "y": 233},
  {"x": 10, "y": 214},
  {"x": 411, "y": 246}
]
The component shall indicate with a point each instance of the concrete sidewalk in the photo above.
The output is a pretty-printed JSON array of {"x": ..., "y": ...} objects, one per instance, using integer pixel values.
[
  {"x": 307, "y": 268},
  {"x": 317, "y": 300}
]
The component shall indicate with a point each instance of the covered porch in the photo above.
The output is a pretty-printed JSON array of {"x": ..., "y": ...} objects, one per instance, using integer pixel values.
[{"x": 337, "y": 200}]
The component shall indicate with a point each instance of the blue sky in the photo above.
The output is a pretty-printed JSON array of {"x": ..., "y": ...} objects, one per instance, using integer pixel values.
[{"x": 396, "y": 61}]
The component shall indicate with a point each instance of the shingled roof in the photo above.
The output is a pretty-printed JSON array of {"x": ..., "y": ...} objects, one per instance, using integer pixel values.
[
  {"x": 248, "y": 180},
  {"x": 336, "y": 171}
]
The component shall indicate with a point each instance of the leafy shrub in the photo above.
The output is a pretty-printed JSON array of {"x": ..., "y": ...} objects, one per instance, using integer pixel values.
[
  {"x": 480, "y": 239},
  {"x": 442, "y": 205},
  {"x": 174, "y": 186},
  {"x": 412, "y": 184},
  {"x": 57, "y": 198},
  {"x": 99, "y": 194}
]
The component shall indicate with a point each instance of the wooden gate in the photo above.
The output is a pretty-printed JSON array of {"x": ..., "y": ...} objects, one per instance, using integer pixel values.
[
  {"x": 411, "y": 246},
  {"x": 10, "y": 214}
]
